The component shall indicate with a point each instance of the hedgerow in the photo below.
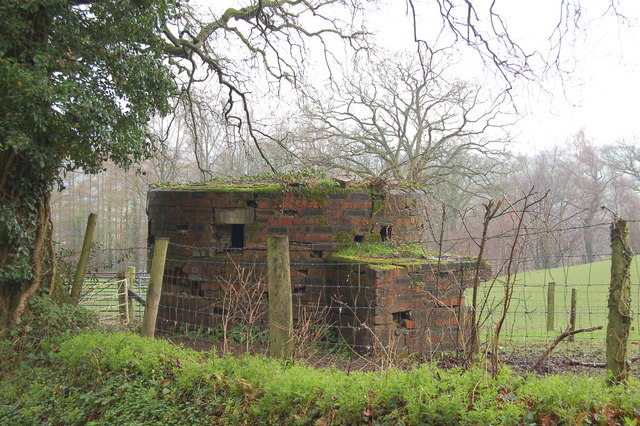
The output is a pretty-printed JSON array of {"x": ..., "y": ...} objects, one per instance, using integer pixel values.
[{"x": 120, "y": 378}]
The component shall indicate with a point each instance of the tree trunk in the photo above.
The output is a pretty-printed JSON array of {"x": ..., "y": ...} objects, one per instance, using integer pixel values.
[
  {"x": 16, "y": 294},
  {"x": 25, "y": 229},
  {"x": 619, "y": 317}
]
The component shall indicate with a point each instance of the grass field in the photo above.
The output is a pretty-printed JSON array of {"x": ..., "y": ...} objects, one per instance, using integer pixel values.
[{"x": 527, "y": 318}]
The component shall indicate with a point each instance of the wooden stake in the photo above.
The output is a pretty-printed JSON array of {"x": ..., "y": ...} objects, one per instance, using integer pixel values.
[
  {"x": 131, "y": 285},
  {"x": 123, "y": 306},
  {"x": 572, "y": 316},
  {"x": 619, "y": 303},
  {"x": 551, "y": 305},
  {"x": 155, "y": 287},
  {"x": 78, "y": 280},
  {"x": 280, "y": 299}
]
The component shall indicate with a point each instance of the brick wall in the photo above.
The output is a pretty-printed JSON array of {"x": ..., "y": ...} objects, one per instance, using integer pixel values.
[{"x": 213, "y": 230}]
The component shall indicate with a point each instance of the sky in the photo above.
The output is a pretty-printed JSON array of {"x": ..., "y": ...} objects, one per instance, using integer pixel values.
[{"x": 600, "y": 91}]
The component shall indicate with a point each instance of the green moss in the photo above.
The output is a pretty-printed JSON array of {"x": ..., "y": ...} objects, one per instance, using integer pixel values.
[
  {"x": 320, "y": 192},
  {"x": 343, "y": 238},
  {"x": 386, "y": 256},
  {"x": 386, "y": 251},
  {"x": 320, "y": 220},
  {"x": 378, "y": 206},
  {"x": 378, "y": 201},
  {"x": 253, "y": 228},
  {"x": 373, "y": 238},
  {"x": 255, "y": 188},
  {"x": 315, "y": 190}
]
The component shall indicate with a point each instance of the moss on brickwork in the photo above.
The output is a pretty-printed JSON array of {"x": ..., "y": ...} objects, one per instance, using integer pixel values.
[
  {"x": 312, "y": 189},
  {"x": 312, "y": 185},
  {"x": 254, "y": 188},
  {"x": 253, "y": 228},
  {"x": 378, "y": 198},
  {"x": 378, "y": 206},
  {"x": 320, "y": 220},
  {"x": 373, "y": 238},
  {"x": 343, "y": 238}
]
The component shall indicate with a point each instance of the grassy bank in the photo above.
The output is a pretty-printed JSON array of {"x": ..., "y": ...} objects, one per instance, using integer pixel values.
[{"x": 120, "y": 378}]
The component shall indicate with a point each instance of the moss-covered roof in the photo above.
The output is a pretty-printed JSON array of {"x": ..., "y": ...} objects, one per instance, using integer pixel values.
[
  {"x": 307, "y": 180},
  {"x": 387, "y": 256}
]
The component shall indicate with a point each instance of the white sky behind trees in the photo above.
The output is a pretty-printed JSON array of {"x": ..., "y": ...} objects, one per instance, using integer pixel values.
[{"x": 597, "y": 90}]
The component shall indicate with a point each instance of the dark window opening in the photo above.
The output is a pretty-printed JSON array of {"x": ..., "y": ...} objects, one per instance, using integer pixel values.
[
  {"x": 299, "y": 289},
  {"x": 237, "y": 236},
  {"x": 402, "y": 319},
  {"x": 150, "y": 237},
  {"x": 251, "y": 203},
  {"x": 358, "y": 238},
  {"x": 290, "y": 213},
  {"x": 316, "y": 254},
  {"x": 385, "y": 232}
]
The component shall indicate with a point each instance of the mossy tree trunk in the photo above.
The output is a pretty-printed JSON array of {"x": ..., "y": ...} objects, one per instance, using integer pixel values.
[
  {"x": 26, "y": 258},
  {"x": 619, "y": 302}
]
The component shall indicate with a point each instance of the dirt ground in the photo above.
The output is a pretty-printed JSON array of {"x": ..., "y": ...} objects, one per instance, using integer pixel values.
[{"x": 519, "y": 358}]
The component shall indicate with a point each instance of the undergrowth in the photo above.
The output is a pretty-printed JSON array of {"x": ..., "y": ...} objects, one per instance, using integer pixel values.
[{"x": 119, "y": 378}]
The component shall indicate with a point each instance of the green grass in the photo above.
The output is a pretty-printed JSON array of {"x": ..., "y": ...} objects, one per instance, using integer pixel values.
[
  {"x": 119, "y": 378},
  {"x": 528, "y": 313}
]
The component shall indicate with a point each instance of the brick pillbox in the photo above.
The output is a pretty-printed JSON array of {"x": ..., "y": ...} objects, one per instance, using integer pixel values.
[{"x": 355, "y": 252}]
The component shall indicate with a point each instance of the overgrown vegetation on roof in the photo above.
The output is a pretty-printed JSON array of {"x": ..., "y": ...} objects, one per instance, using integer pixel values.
[
  {"x": 308, "y": 180},
  {"x": 382, "y": 255}
]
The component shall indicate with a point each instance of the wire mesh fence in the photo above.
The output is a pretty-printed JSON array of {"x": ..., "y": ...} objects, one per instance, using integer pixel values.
[
  {"x": 369, "y": 307},
  {"x": 334, "y": 304},
  {"x": 381, "y": 308}
]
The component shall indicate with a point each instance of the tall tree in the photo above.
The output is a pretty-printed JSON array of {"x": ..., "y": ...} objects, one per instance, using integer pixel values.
[
  {"x": 402, "y": 119},
  {"x": 78, "y": 83}
]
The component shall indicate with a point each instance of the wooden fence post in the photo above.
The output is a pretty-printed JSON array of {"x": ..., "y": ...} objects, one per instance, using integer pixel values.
[
  {"x": 280, "y": 303},
  {"x": 551, "y": 305},
  {"x": 78, "y": 279},
  {"x": 155, "y": 287},
  {"x": 572, "y": 316},
  {"x": 131, "y": 285},
  {"x": 619, "y": 320},
  {"x": 123, "y": 306}
]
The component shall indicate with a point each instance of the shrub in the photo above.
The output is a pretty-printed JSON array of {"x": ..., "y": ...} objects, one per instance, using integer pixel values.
[{"x": 46, "y": 321}]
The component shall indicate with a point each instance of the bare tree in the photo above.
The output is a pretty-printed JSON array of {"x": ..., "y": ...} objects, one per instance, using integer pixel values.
[
  {"x": 624, "y": 157},
  {"x": 591, "y": 180},
  {"x": 265, "y": 41},
  {"x": 401, "y": 119}
]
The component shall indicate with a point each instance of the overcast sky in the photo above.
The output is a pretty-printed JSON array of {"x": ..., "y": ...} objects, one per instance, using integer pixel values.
[{"x": 599, "y": 94}]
